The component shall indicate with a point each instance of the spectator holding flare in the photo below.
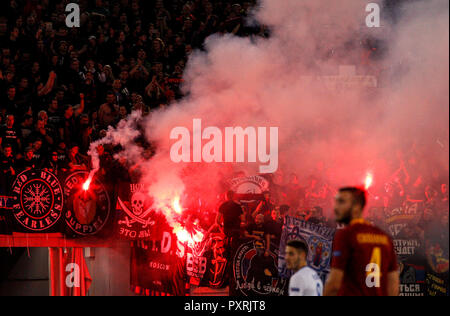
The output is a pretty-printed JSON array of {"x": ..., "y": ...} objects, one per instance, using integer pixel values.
[{"x": 364, "y": 262}]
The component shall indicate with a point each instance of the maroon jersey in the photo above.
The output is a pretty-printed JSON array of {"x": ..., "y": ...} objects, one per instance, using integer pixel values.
[{"x": 366, "y": 255}]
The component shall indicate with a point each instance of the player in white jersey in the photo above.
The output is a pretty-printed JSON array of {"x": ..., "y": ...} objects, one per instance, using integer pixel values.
[{"x": 305, "y": 281}]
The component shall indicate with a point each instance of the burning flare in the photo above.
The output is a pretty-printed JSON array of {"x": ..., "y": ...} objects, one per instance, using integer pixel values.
[
  {"x": 87, "y": 184},
  {"x": 185, "y": 237},
  {"x": 177, "y": 206},
  {"x": 369, "y": 180}
]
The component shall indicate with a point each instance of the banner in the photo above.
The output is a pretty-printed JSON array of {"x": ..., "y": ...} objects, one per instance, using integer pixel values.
[
  {"x": 216, "y": 262},
  {"x": 37, "y": 202},
  {"x": 254, "y": 273},
  {"x": 159, "y": 265},
  {"x": 402, "y": 225},
  {"x": 437, "y": 263},
  {"x": 319, "y": 240},
  {"x": 86, "y": 211},
  {"x": 249, "y": 189},
  {"x": 136, "y": 218}
]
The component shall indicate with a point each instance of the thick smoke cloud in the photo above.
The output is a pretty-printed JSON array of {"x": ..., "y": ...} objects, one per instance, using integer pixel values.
[{"x": 273, "y": 82}]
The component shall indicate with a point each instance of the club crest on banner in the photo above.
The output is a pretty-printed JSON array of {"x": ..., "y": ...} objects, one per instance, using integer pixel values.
[
  {"x": 87, "y": 211},
  {"x": 437, "y": 258},
  {"x": 319, "y": 252},
  {"x": 37, "y": 200},
  {"x": 319, "y": 240},
  {"x": 255, "y": 273},
  {"x": 248, "y": 188}
]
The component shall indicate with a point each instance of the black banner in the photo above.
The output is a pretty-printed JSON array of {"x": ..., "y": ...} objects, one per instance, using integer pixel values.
[
  {"x": 437, "y": 267},
  {"x": 216, "y": 262},
  {"x": 87, "y": 211},
  {"x": 159, "y": 265},
  {"x": 136, "y": 218},
  {"x": 254, "y": 272},
  {"x": 37, "y": 202}
]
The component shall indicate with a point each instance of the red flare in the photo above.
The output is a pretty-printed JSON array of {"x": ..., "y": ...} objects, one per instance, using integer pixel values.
[
  {"x": 369, "y": 181},
  {"x": 87, "y": 184}
]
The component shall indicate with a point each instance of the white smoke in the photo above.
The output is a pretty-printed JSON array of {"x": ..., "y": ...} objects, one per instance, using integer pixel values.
[{"x": 270, "y": 82}]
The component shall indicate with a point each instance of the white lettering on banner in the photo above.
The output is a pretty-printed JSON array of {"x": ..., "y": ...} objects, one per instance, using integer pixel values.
[
  {"x": 410, "y": 290},
  {"x": 73, "y": 278},
  {"x": 195, "y": 265},
  {"x": 166, "y": 242}
]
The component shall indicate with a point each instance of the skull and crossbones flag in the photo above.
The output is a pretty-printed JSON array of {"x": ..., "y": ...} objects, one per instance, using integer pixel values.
[{"x": 136, "y": 217}]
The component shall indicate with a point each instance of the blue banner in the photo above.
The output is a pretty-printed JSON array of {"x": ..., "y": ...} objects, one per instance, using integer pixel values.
[{"x": 319, "y": 240}]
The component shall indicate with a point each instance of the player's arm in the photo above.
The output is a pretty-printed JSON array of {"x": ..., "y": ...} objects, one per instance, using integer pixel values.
[
  {"x": 334, "y": 282},
  {"x": 393, "y": 286},
  {"x": 341, "y": 254},
  {"x": 393, "y": 276}
]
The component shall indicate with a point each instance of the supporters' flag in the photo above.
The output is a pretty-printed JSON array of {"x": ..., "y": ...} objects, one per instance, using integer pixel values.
[
  {"x": 319, "y": 240},
  {"x": 37, "y": 202},
  {"x": 159, "y": 265},
  {"x": 255, "y": 271},
  {"x": 216, "y": 261},
  {"x": 87, "y": 207},
  {"x": 136, "y": 217}
]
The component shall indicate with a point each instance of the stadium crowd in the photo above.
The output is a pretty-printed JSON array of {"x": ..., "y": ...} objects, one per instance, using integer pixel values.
[
  {"x": 421, "y": 201},
  {"x": 60, "y": 89}
]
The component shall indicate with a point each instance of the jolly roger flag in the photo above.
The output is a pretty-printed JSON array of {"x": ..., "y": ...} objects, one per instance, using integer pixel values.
[
  {"x": 37, "y": 202},
  {"x": 136, "y": 218}
]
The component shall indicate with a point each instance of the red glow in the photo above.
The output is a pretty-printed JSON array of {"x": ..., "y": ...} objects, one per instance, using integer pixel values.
[
  {"x": 369, "y": 180},
  {"x": 190, "y": 238},
  {"x": 87, "y": 184},
  {"x": 176, "y": 205}
]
